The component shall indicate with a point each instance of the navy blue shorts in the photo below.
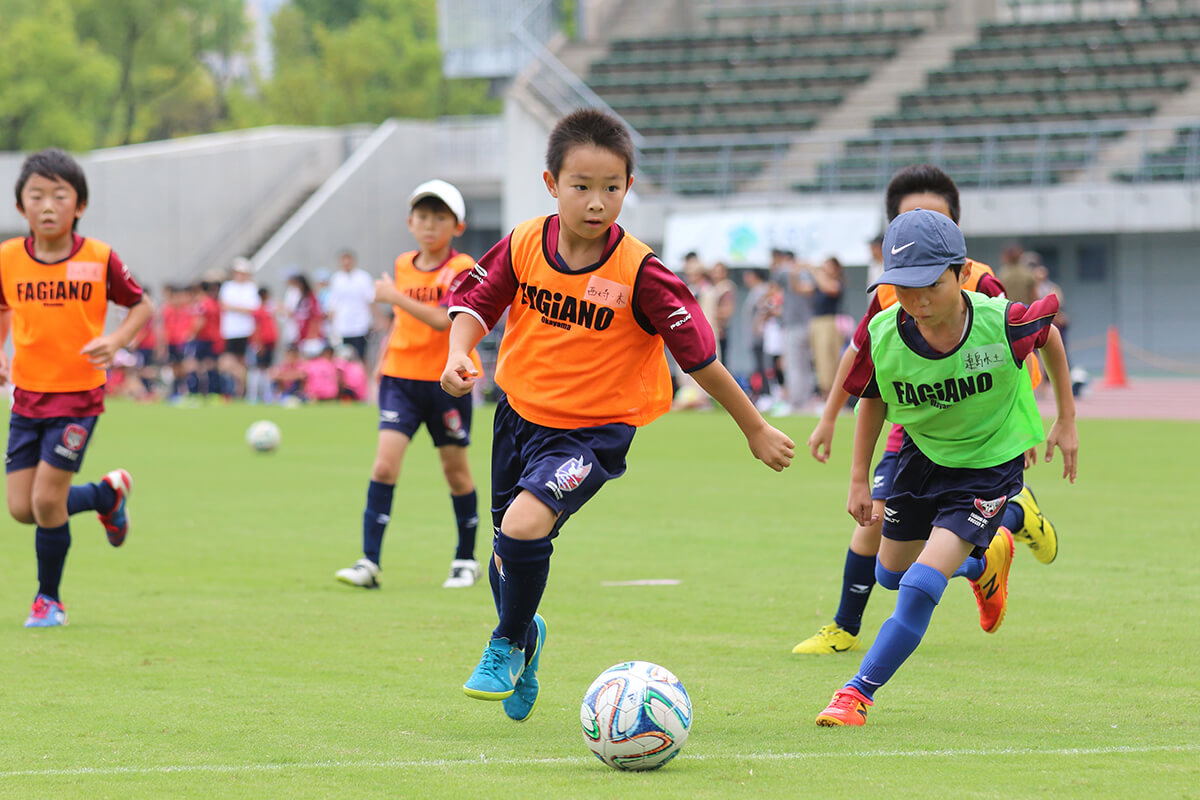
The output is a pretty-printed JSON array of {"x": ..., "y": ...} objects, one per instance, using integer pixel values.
[
  {"x": 176, "y": 353},
  {"x": 969, "y": 502},
  {"x": 562, "y": 468},
  {"x": 201, "y": 349},
  {"x": 884, "y": 477},
  {"x": 59, "y": 441},
  {"x": 404, "y": 404}
]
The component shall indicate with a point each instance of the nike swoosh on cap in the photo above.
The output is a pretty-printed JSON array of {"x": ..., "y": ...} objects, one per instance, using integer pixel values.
[{"x": 903, "y": 247}]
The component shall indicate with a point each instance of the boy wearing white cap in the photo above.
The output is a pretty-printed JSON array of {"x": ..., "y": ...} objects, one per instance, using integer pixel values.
[
  {"x": 948, "y": 365},
  {"x": 410, "y": 393}
]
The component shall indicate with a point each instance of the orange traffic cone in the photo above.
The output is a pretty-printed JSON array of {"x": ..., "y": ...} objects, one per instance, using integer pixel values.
[{"x": 1114, "y": 365}]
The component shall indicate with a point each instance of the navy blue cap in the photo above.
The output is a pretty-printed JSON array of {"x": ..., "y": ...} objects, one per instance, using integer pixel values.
[{"x": 918, "y": 247}]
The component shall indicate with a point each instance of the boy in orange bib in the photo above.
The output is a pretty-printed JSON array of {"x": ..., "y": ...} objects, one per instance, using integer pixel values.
[
  {"x": 410, "y": 396},
  {"x": 55, "y": 286},
  {"x": 582, "y": 367}
]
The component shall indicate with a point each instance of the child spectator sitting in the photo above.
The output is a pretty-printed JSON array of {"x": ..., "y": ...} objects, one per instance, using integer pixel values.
[
  {"x": 321, "y": 377},
  {"x": 352, "y": 375},
  {"x": 287, "y": 377}
]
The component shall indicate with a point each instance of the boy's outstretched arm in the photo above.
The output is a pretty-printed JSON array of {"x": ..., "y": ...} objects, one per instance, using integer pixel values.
[
  {"x": 5, "y": 327},
  {"x": 769, "y": 445},
  {"x": 867, "y": 425},
  {"x": 100, "y": 351},
  {"x": 459, "y": 376},
  {"x": 1063, "y": 434},
  {"x": 433, "y": 316}
]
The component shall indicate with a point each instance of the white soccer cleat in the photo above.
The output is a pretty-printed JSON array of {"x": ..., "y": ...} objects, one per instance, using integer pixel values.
[
  {"x": 364, "y": 573},
  {"x": 463, "y": 572}
]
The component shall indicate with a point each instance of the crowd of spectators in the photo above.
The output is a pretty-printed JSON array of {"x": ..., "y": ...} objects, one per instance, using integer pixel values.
[
  {"x": 227, "y": 339},
  {"x": 790, "y": 320}
]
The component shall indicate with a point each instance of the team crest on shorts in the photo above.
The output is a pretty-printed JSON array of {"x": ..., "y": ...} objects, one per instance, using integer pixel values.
[
  {"x": 989, "y": 507},
  {"x": 452, "y": 422},
  {"x": 571, "y": 474},
  {"x": 74, "y": 437}
]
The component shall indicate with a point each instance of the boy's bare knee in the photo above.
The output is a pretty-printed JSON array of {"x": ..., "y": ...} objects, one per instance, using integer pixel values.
[
  {"x": 385, "y": 472},
  {"x": 49, "y": 510},
  {"x": 459, "y": 480},
  {"x": 21, "y": 511}
]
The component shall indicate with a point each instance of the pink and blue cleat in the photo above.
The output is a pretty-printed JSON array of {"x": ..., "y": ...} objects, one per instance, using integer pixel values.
[
  {"x": 46, "y": 613},
  {"x": 116, "y": 522}
]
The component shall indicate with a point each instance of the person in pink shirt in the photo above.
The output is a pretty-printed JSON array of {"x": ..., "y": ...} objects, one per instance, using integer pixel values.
[
  {"x": 352, "y": 375},
  {"x": 321, "y": 377}
]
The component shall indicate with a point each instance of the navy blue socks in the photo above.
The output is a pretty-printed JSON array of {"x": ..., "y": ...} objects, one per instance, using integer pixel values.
[
  {"x": 91, "y": 497},
  {"x": 858, "y": 578},
  {"x": 1014, "y": 517},
  {"x": 375, "y": 518},
  {"x": 525, "y": 567},
  {"x": 920, "y": 590},
  {"x": 51, "y": 545},
  {"x": 466, "y": 515},
  {"x": 971, "y": 569}
]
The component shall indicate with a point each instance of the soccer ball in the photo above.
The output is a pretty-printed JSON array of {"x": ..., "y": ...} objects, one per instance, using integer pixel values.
[
  {"x": 263, "y": 436},
  {"x": 636, "y": 716}
]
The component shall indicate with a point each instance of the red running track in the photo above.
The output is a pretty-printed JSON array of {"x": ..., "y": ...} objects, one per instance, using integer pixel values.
[{"x": 1143, "y": 398}]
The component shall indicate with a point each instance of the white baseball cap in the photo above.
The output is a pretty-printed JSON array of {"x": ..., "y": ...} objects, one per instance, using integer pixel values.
[{"x": 443, "y": 191}]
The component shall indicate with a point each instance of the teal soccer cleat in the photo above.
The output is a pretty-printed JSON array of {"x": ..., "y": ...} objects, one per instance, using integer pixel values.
[
  {"x": 501, "y": 667},
  {"x": 519, "y": 706}
]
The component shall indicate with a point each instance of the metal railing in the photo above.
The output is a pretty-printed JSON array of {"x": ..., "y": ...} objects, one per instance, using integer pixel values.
[
  {"x": 561, "y": 89},
  {"x": 1059, "y": 10},
  {"x": 983, "y": 156}
]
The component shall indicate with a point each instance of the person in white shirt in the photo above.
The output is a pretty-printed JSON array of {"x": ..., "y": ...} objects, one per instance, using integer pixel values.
[
  {"x": 351, "y": 303},
  {"x": 239, "y": 300}
]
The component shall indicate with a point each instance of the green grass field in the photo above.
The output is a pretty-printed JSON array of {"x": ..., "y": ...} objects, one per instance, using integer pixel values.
[{"x": 215, "y": 656}]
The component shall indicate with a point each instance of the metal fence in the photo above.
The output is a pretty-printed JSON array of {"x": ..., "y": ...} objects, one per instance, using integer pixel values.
[{"x": 1133, "y": 151}]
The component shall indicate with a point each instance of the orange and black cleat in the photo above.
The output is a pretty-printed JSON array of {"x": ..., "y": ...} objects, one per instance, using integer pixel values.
[
  {"x": 848, "y": 707},
  {"x": 991, "y": 590}
]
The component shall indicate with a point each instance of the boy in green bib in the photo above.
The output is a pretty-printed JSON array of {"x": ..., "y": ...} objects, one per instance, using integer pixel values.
[{"x": 948, "y": 365}]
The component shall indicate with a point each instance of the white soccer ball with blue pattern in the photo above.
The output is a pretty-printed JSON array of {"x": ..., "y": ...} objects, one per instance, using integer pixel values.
[
  {"x": 636, "y": 716},
  {"x": 263, "y": 436}
]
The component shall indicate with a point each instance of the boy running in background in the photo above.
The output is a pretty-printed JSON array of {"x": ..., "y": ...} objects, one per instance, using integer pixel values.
[
  {"x": 949, "y": 366},
  {"x": 55, "y": 286},
  {"x": 409, "y": 390},
  {"x": 582, "y": 366},
  {"x": 923, "y": 186}
]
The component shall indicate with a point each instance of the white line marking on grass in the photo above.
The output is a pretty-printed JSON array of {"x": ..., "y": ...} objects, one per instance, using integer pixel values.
[
  {"x": 439, "y": 763},
  {"x": 644, "y": 582}
]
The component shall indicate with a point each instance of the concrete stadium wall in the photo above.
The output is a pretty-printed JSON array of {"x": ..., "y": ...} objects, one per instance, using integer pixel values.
[
  {"x": 364, "y": 205},
  {"x": 175, "y": 210},
  {"x": 168, "y": 208}
]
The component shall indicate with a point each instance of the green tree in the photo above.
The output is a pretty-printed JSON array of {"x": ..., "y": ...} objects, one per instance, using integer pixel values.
[
  {"x": 330, "y": 13},
  {"x": 383, "y": 63},
  {"x": 164, "y": 50},
  {"x": 52, "y": 85}
]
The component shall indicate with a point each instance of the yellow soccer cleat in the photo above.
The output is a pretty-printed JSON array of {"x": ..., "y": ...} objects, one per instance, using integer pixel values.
[
  {"x": 830, "y": 639},
  {"x": 1038, "y": 532},
  {"x": 991, "y": 590}
]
